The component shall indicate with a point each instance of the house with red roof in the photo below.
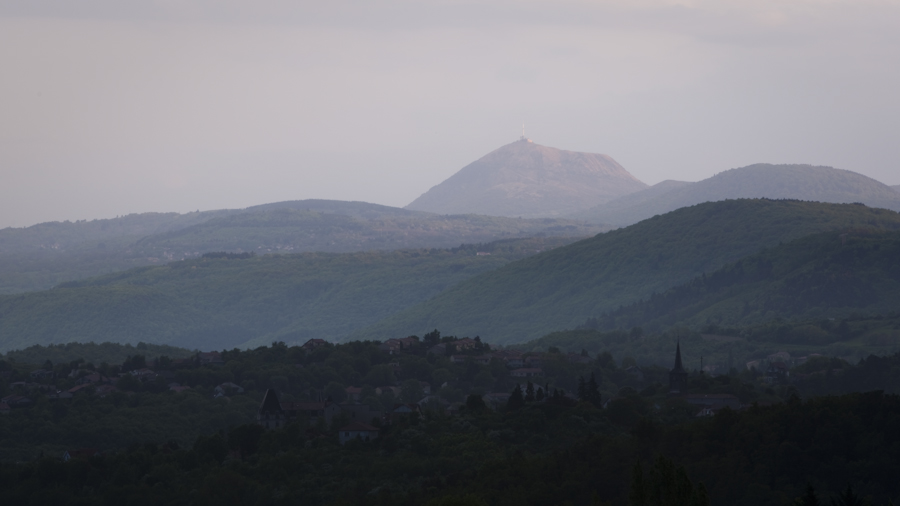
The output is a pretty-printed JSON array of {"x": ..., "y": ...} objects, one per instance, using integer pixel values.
[{"x": 313, "y": 343}]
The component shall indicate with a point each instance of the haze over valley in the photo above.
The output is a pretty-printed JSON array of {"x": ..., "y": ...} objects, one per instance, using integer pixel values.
[
  {"x": 334, "y": 255},
  {"x": 450, "y": 253}
]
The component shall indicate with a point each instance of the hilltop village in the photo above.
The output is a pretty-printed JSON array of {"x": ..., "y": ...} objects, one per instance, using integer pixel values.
[{"x": 357, "y": 388}]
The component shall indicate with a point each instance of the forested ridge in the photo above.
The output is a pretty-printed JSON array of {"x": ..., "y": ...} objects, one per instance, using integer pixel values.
[
  {"x": 251, "y": 300},
  {"x": 829, "y": 275},
  {"x": 247, "y": 299},
  {"x": 560, "y": 289}
]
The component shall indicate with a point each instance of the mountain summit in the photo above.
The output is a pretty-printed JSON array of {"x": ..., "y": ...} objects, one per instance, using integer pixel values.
[{"x": 529, "y": 180}]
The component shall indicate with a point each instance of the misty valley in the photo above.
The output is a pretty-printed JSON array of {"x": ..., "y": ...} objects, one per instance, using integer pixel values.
[{"x": 540, "y": 328}]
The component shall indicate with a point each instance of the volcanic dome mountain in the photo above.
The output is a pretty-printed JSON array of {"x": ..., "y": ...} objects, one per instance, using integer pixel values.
[{"x": 527, "y": 180}]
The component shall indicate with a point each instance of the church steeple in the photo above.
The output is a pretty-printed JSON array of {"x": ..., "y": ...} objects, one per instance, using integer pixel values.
[
  {"x": 677, "y": 376},
  {"x": 270, "y": 414},
  {"x": 678, "y": 367}
]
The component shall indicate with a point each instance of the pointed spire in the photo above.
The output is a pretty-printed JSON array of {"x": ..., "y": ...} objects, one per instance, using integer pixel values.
[
  {"x": 678, "y": 367},
  {"x": 270, "y": 403}
]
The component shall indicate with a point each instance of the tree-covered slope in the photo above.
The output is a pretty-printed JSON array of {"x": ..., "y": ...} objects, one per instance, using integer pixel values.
[
  {"x": 803, "y": 182},
  {"x": 228, "y": 301},
  {"x": 562, "y": 288},
  {"x": 42, "y": 256},
  {"x": 829, "y": 275}
]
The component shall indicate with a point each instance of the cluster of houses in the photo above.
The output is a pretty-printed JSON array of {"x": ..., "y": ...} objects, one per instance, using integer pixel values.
[
  {"x": 521, "y": 364},
  {"x": 776, "y": 368},
  {"x": 274, "y": 414}
]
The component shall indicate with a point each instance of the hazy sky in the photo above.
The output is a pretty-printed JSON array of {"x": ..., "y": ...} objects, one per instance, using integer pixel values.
[{"x": 109, "y": 107}]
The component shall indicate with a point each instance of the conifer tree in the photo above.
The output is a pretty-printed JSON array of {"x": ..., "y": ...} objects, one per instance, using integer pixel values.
[
  {"x": 848, "y": 498},
  {"x": 529, "y": 392},
  {"x": 592, "y": 391},
  {"x": 515, "y": 400},
  {"x": 637, "y": 496},
  {"x": 809, "y": 499}
]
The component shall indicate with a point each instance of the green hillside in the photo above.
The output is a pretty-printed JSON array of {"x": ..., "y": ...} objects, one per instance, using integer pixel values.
[
  {"x": 830, "y": 275},
  {"x": 42, "y": 256},
  {"x": 244, "y": 300},
  {"x": 562, "y": 288}
]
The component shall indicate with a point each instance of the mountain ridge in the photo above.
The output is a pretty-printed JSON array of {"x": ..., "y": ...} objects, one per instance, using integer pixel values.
[
  {"x": 44, "y": 255},
  {"x": 802, "y": 182}
]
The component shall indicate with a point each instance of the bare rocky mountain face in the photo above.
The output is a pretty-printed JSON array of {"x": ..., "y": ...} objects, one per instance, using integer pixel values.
[
  {"x": 799, "y": 182},
  {"x": 527, "y": 180}
]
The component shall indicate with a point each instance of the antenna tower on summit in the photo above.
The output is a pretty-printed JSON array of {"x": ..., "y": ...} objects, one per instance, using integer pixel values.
[{"x": 523, "y": 138}]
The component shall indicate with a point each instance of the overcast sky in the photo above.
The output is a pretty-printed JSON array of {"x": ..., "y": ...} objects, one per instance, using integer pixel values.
[{"x": 109, "y": 107}]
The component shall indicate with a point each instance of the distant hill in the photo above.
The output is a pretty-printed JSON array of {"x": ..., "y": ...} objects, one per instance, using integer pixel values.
[
  {"x": 562, "y": 288},
  {"x": 896, "y": 187},
  {"x": 828, "y": 275},
  {"x": 226, "y": 301},
  {"x": 528, "y": 180},
  {"x": 42, "y": 256},
  {"x": 802, "y": 182},
  {"x": 628, "y": 203}
]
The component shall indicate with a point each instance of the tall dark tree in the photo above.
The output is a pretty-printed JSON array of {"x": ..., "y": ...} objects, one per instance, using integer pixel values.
[
  {"x": 665, "y": 484},
  {"x": 475, "y": 404},
  {"x": 808, "y": 499},
  {"x": 515, "y": 400},
  {"x": 592, "y": 391},
  {"x": 582, "y": 389},
  {"x": 848, "y": 498},
  {"x": 529, "y": 392},
  {"x": 432, "y": 338}
]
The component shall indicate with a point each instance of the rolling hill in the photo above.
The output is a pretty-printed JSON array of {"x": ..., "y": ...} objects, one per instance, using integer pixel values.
[
  {"x": 828, "y": 275},
  {"x": 42, "y": 256},
  {"x": 523, "y": 179},
  {"x": 237, "y": 300},
  {"x": 561, "y": 288},
  {"x": 802, "y": 182}
]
